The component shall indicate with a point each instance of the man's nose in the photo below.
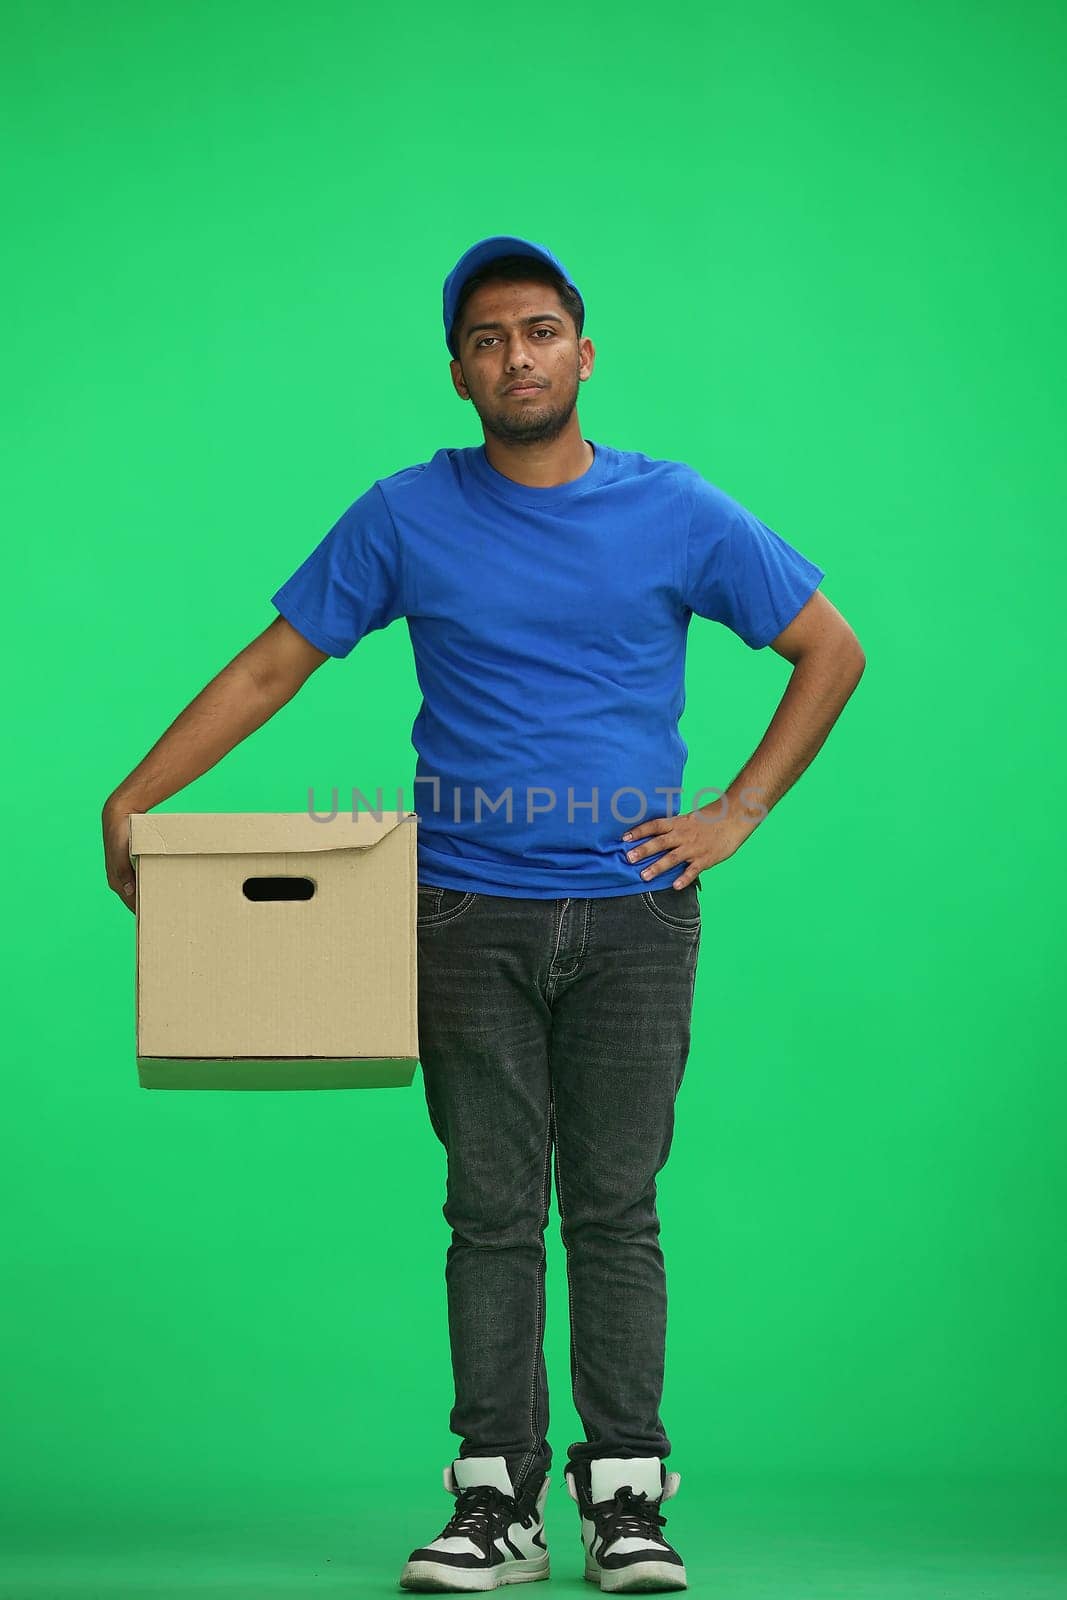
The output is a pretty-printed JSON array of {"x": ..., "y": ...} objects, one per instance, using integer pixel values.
[{"x": 518, "y": 355}]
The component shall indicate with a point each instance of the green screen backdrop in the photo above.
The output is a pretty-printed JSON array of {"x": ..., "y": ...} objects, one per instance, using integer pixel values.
[{"x": 822, "y": 254}]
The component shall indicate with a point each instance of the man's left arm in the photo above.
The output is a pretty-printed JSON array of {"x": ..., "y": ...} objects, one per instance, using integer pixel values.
[{"x": 828, "y": 662}]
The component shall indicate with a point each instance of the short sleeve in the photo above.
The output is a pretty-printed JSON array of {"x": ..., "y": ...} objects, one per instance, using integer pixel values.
[
  {"x": 351, "y": 583},
  {"x": 739, "y": 572}
]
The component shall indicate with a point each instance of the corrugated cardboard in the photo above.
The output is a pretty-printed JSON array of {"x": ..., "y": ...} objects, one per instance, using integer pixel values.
[{"x": 236, "y": 992}]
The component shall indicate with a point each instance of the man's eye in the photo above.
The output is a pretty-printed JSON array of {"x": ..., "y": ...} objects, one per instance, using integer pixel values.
[{"x": 487, "y": 338}]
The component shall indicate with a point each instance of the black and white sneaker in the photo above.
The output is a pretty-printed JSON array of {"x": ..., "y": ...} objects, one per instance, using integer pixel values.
[
  {"x": 492, "y": 1537},
  {"x": 619, "y": 1501}
]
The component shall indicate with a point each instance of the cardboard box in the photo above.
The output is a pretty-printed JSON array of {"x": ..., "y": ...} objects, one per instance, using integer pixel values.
[{"x": 275, "y": 951}]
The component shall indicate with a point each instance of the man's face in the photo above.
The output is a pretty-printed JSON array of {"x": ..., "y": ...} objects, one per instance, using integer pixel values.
[{"x": 530, "y": 340}]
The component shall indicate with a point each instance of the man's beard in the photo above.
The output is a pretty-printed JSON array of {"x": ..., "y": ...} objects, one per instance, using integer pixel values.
[{"x": 533, "y": 422}]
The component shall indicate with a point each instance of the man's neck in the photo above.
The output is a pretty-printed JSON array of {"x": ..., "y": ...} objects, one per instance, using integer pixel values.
[{"x": 542, "y": 465}]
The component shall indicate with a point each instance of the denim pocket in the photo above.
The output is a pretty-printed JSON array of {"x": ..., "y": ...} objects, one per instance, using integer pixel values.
[
  {"x": 437, "y": 905},
  {"x": 676, "y": 908}
]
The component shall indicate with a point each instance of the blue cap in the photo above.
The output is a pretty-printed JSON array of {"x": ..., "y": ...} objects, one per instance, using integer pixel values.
[{"x": 485, "y": 250}]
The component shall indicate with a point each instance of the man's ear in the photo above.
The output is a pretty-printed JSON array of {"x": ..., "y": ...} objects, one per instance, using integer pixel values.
[{"x": 458, "y": 382}]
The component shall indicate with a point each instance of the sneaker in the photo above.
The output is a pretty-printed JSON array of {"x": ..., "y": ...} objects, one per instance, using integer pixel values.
[
  {"x": 619, "y": 1501},
  {"x": 494, "y": 1536}
]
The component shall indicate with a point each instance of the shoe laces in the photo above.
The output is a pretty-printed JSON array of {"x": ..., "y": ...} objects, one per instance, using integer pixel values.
[
  {"x": 481, "y": 1511},
  {"x": 628, "y": 1515}
]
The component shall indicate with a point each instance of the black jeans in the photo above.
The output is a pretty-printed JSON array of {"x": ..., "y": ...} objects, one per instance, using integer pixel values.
[{"x": 555, "y": 1024}]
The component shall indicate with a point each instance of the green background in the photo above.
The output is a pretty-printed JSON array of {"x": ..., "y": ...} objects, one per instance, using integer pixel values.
[{"x": 821, "y": 250}]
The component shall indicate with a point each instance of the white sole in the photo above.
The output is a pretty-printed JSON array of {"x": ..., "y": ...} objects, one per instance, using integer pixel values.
[
  {"x": 642, "y": 1577},
  {"x": 436, "y": 1575}
]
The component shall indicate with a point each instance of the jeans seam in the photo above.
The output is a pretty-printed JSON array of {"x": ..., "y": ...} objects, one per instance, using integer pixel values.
[
  {"x": 567, "y": 1254},
  {"x": 550, "y": 983},
  {"x": 580, "y": 957},
  {"x": 437, "y": 919},
  {"x": 539, "y": 1329},
  {"x": 685, "y": 924}
]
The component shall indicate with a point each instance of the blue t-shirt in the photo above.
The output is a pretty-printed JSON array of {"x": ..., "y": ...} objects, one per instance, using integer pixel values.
[{"x": 549, "y": 629}]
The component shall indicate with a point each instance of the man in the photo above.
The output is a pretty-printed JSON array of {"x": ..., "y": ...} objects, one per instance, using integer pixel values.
[{"x": 548, "y": 583}]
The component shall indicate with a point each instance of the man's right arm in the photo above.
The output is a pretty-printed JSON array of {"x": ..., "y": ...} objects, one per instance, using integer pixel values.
[{"x": 238, "y": 700}]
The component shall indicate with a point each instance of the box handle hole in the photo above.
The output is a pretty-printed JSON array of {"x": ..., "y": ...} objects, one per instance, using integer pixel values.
[{"x": 278, "y": 888}]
